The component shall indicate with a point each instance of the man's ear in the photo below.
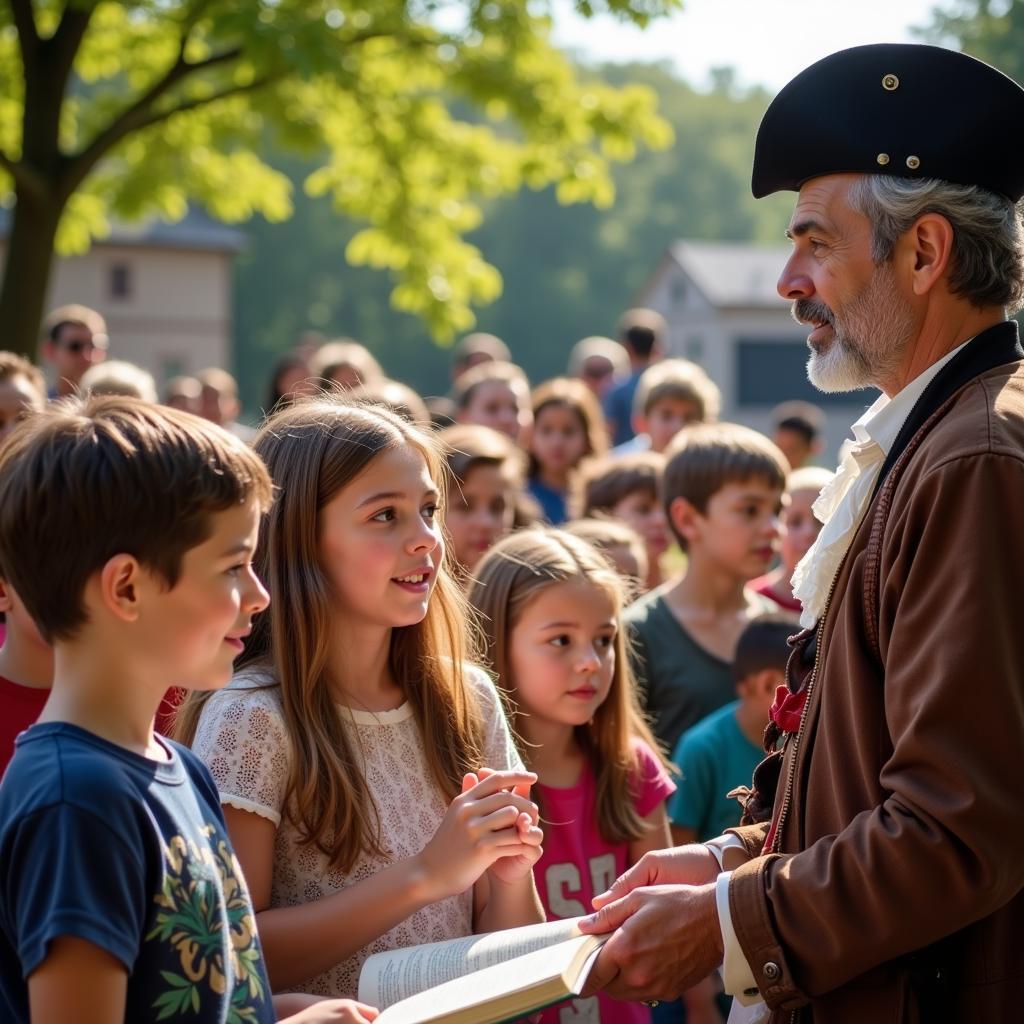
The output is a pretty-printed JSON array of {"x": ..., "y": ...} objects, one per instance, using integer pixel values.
[
  {"x": 119, "y": 586},
  {"x": 6, "y": 601},
  {"x": 929, "y": 244},
  {"x": 684, "y": 518}
]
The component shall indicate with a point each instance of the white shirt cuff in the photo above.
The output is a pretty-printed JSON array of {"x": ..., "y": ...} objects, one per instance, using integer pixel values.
[
  {"x": 720, "y": 844},
  {"x": 737, "y": 977}
]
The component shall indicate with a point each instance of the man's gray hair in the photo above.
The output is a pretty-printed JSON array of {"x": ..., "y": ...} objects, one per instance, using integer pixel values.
[{"x": 988, "y": 246}]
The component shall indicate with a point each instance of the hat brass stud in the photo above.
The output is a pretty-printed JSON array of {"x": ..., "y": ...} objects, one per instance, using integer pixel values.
[
  {"x": 913, "y": 162},
  {"x": 890, "y": 83},
  {"x": 882, "y": 158}
]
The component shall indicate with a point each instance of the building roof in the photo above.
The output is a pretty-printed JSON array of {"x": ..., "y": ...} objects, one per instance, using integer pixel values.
[
  {"x": 196, "y": 230},
  {"x": 734, "y": 275}
]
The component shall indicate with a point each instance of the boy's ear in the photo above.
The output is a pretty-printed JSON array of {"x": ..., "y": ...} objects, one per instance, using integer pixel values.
[
  {"x": 684, "y": 518},
  {"x": 119, "y": 586}
]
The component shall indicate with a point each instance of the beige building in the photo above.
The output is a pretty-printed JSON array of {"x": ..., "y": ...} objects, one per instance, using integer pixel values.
[
  {"x": 724, "y": 313},
  {"x": 164, "y": 289}
]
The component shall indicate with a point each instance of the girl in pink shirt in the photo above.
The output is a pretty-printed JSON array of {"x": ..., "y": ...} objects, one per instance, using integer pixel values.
[{"x": 551, "y": 607}]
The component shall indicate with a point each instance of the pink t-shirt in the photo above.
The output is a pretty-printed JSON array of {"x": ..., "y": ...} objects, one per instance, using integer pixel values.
[
  {"x": 20, "y": 706},
  {"x": 578, "y": 863}
]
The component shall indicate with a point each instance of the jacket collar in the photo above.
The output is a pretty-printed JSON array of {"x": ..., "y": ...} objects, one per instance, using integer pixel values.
[{"x": 995, "y": 346}]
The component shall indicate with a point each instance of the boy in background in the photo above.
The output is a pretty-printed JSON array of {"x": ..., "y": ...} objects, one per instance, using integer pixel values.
[
  {"x": 496, "y": 395},
  {"x": 629, "y": 489},
  {"x": 22, "y": 390},
  {"x": 122, "y": 899},
  {"x": 670, "y": 395},
  {"x": 722, "y": 751},
  {"x": 798, "y": 428},
  {"x": 722, "y": 493}
]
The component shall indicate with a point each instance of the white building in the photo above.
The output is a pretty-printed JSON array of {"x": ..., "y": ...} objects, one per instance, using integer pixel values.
[
  {"x": 164, "y": 290},
  {"x": 724, "y": 313}
]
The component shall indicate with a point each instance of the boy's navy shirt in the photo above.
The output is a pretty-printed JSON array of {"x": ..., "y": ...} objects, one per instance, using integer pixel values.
[{"x": 132, "y": 855}]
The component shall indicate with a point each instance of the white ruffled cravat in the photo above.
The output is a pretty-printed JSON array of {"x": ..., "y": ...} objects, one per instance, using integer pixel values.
[{"x": 840, "y": 507}]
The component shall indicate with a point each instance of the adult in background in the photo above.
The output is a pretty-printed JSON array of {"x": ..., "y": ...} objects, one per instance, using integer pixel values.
[
  {"x": 887, "y": 884},
  {"x": 642, "y": 334},
  {"x": 599, "y": 363},
  {"x": 74, "y": 338}
]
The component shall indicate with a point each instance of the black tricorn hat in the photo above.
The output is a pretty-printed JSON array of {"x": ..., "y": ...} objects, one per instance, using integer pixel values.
[{"x": 903, "y": 109}]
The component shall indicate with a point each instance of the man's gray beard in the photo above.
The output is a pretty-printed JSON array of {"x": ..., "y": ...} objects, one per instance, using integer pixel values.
[{"x": 869, "y": 339}]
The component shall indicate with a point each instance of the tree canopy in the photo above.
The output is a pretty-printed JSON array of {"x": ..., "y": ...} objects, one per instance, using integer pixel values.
[
  {"x": 415, "y": 110},
  {"x": 568, "y": 271}
]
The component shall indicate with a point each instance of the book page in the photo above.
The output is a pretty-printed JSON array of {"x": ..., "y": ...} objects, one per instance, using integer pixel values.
[
  {"x": 387, "y": 978},
  {"x": 491, "y": 993}
]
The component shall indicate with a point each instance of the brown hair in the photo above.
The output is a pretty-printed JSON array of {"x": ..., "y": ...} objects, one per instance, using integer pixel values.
[
  {"x": 603, "y": 483},
  {"x": 83, "y": 481},
  {"x": 575, "y": 396},
  {"x": 508, "y": 578},
  {"x": 313, "y": 449},
  {"x": 703, "y": 458},
  {"x": 607, "y": 534},
  {"x": 75, "y": 315},
  {"x": 467, "y": 383},
  {"x": 345, "y": 353},
  {"x": 13, "y": 365},
  {"x": 468, "y": 445},
  {"x": 393, "y": 395},
  {"x": 681, "y": 380}
]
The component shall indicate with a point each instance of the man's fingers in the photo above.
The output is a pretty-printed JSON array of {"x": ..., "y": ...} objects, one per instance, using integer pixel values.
[
  {"x": 634, "y": 878},
  {"x": 610, "y": 916}
]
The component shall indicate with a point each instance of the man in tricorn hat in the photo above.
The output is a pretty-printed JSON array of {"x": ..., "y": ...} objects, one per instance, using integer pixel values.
[{"x": 879, "y": 876}]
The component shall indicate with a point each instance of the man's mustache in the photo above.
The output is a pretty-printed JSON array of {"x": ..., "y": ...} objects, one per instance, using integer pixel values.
[{"x": 811, "y": 311}]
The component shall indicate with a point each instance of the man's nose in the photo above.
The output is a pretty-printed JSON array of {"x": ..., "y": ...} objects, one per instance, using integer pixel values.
[{"x": 794, "y": 283}]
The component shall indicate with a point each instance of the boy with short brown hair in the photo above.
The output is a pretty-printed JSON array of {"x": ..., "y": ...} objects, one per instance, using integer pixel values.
[
  {"x": 722, "y": 492},
  {"x": 127, "y": 530}
]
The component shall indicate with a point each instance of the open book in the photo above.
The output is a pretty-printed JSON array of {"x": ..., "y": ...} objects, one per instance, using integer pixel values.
[{"x": 481, "y": 979}]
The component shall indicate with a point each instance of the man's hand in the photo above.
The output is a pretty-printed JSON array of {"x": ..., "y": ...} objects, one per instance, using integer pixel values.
[
  {"x": 667, "y": 939},
  {"x": 683, "y": 865}
]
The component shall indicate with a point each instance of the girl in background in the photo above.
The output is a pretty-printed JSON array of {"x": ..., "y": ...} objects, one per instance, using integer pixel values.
[
  {"x": 551, "y": 607},
  {"x": 350, "y": 749},
  {"x": 567, "y": 427}
]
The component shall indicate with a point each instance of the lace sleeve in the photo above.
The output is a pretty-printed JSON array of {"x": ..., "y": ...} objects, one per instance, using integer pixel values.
[
  {"x": 499, "y": 747},
  {"x": 241, "y": 738}
]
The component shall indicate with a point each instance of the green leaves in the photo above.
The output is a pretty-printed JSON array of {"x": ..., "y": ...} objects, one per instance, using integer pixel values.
[{"x": 417, "y": 112}]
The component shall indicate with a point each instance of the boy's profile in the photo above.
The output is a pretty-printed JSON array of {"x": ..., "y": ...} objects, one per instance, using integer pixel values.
[
  {"x": 722, "y": 493},
  {"x": 127, "y": 531}
]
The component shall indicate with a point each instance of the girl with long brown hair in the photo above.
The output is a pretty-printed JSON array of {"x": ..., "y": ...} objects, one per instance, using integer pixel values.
[
  {"x": 551, "y": 607},
  {"x": 372, "y": 790}
]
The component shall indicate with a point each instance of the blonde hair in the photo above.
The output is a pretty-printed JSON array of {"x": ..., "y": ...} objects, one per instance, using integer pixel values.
[
  {"x": 681, "y": 380},
  {"x": 509, "y": 577},
  {"x": 313, "y": 449}
]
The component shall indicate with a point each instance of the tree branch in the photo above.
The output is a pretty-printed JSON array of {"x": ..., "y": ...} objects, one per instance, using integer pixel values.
[
  {"x": 28, "y": 37},
  {"x": 24, "y": 177},
  {"x": 67, "y": 39},
  {"x": 138, "y": 115}
]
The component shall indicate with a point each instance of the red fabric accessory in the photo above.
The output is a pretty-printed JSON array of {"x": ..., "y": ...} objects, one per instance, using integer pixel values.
[{"x": 787, "y": 709}]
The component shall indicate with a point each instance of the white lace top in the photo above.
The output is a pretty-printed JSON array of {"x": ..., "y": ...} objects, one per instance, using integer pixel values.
[{"x": 242, "y": 740}]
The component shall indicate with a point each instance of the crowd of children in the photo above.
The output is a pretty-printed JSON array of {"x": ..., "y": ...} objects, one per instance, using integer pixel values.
[{"x": 429, "y": 668}]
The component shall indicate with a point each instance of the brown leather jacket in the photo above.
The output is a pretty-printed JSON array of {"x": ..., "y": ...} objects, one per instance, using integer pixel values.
[{"x": 897, "y": 893}]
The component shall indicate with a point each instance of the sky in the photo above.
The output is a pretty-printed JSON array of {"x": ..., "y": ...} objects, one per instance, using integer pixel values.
[{"x": 766, "y": 41}]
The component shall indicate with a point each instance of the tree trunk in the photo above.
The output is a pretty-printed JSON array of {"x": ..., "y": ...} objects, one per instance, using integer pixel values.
[{"x": 26, "y": 278}]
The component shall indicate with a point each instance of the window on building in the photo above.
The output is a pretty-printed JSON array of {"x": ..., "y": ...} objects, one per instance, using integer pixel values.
[
  {"x": 769, "y": 372},
  {"x": 121, "y": 281}
]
